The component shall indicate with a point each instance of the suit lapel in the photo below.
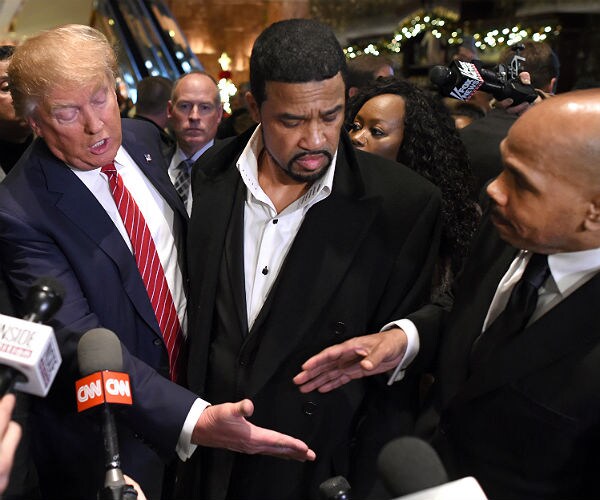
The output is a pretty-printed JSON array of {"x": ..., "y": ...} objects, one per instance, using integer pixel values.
[
  {"x": 559, "y": 332},
  {"x": 234, "y": 257},
  {"x": 79, "y": 205},
  {"x": 214, "y": 201},
  {"x": 153, "y": 165},
  {"x": 476, "y": 289}
]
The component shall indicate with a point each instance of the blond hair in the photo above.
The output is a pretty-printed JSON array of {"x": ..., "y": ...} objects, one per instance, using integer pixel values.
[{"x": 68, "y": 56}]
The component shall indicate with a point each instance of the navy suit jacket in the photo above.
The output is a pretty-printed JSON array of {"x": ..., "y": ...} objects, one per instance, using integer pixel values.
[{"x": 52, "y": 225}]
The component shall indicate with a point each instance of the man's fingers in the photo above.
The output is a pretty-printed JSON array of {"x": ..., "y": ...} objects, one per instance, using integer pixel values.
[
  {"x": 325, "y": 358},
  {"x": 318, "y": 381},
  {"x": 11, "y": 437},
  {"x": 525, "y": 78},
  {"x": 268, "y": 442},
  {"x": 293, "y": 454},
  {"x": 373, "y": 359},
  {"x": 7, "y": 404},
  {"x": 242, "y": 409}
]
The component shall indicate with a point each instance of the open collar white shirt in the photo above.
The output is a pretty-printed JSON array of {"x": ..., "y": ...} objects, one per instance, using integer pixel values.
[{"x": 268, "y": 235}]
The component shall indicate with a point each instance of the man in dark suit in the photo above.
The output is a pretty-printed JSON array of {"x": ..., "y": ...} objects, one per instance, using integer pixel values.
[
  {"x": 194, "y": 112},
  {"x": 297, "y": 241},
  {"x": 518, "y": 372},
  {"x": 64, "y": 212},
  {"x": 153, "y": 94}
]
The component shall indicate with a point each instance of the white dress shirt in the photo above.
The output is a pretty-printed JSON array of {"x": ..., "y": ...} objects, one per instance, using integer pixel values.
[
  {"x": 159, "y": 217},
  {"x": 180, "y": 156},
  {"x": 568, "y": 272},
  {"x": 268, "y": 235}
]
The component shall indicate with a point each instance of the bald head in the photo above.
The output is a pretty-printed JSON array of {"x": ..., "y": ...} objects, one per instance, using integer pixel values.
[
  {"x": 547, "y": 199},
  {"x": 564, "y": 131}
]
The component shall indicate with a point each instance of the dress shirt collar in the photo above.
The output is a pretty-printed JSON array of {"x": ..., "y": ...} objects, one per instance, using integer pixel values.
[
  {"x": 180, "y": 156},
  {"x": 571, "y": 267},
  {"x": 122, "y": 159},
  {"x": 567, "y": 269},
  {"x": 247, "y": 165}
]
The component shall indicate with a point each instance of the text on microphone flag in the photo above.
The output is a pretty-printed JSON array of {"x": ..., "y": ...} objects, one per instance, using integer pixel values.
[{"x": 103, "y": 387}]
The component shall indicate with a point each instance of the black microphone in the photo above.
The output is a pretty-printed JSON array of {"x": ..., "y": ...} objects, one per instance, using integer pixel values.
[
  {"x": 100, "y": 358},
  {"x": 409, "y": 464},
  {"x": 29, "y": 354},
  {"x": 43, "y": 299},
  {"x": 461, "y": 79},
  {"x": 335, "y": 488}
]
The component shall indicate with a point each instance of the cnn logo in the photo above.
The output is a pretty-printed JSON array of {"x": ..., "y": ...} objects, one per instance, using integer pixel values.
[{"x": 103, "y": 387}]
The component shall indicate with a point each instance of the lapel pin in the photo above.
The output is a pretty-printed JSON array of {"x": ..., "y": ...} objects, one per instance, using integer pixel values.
[{"x": 148, "y": 157}]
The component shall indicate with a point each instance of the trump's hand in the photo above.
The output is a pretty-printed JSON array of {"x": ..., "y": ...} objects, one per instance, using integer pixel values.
[
  {"x": 356, "y": 358},
  {"x": 225, "y": 426}
]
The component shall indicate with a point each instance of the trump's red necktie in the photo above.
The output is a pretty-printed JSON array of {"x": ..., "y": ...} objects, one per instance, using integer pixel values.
[{"x": 150, "y": 268}]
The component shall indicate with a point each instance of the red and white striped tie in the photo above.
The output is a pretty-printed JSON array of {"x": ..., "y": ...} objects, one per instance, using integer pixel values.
[{"x": 149, "y": 266}]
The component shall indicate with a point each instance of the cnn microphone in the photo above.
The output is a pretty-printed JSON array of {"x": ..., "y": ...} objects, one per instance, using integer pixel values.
[
  {"x": 335, "y": 488},
  {"x": 100, "y": 360},
  {"x": 29, "y": 354},
  {"x": 462, "y": 79},
  {"x": 411, "y": 468}
]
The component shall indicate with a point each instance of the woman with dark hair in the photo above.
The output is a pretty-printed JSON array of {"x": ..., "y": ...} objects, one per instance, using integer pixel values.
[{"x": 395, "y": 119}]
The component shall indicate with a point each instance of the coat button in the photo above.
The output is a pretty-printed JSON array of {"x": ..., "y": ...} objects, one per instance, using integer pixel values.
[
  {"x": 309, "y": 408},
  {"x": 157, "y": 342},
  {"x": 339, "y": 328}
]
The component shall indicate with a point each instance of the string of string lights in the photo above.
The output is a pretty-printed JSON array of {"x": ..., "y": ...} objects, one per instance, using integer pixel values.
[{"x": 444, "y": 26}]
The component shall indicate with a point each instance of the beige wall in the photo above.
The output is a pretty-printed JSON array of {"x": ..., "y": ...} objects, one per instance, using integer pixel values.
[{"x": 216, "y": 26}]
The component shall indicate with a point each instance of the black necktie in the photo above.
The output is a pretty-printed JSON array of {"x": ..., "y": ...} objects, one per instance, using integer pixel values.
[
  {"x": 518, "y": 311},
  {"x": 183, "y": 179}
]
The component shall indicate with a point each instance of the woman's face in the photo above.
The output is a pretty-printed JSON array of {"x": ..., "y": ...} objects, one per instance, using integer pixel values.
[{"x": 379, "y": 126}]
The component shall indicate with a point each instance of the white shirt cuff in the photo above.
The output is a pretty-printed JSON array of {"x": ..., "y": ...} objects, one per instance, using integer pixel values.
[
  {"x": 184, "y": 447},
  {"x": 412, "y": 347}
]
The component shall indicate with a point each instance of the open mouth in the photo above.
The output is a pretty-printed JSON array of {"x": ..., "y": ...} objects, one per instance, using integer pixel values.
[{"x": 100, "y": 146}]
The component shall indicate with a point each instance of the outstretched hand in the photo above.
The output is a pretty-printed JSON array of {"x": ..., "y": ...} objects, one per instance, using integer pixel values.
[
  {"x": 356, "y": 358},
  {"x": 225, "y": 426}
]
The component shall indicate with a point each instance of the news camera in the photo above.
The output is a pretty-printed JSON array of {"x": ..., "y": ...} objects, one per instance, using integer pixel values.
[{"x": 461, "y": 79}]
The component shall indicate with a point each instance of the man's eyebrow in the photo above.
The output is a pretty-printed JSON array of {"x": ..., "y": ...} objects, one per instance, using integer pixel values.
[
  {"x": 518, "y": 174},
  {"x": 291, "y": 116},
  {"x": 332, "y": 111}
]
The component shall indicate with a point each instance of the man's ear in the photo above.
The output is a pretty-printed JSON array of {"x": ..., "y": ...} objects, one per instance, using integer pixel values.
[
  {"x": 592, "y": 219},
  {"x": 551, "y": 87},
  {"x": 253, "y": 107},
  {"x": 32, "y": 122},
  {"x": 169, "y": 108}
]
